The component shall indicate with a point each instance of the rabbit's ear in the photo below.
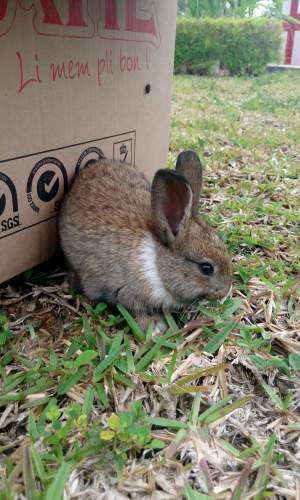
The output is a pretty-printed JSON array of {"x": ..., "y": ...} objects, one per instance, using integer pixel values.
[
  {"x": 171, "y": 204},
  {"x": 189, "y": 166}
]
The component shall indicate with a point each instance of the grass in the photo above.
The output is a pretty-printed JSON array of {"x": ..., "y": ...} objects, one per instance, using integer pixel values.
[{"x": 91, "y": 406}]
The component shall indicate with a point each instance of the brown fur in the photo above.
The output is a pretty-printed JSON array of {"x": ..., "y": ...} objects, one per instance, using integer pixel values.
[
  {"x": 105, "y": 219},
  {"x": 189, "y": 166}
]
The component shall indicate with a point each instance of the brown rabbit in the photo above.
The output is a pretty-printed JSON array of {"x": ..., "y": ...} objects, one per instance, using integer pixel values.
[{"x": 139, "y": 245}]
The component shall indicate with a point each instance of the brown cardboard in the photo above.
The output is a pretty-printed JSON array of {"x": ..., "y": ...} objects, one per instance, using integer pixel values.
[{"x": 74, "y": 78}]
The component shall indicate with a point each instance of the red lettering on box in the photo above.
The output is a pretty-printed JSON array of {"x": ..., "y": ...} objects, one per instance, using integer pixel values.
[
  {"x": 7, "y": 15},
  {"x": 3, "y": 8},
  {"x": 71, "y": 19},
  {"x": 51, "y": 15},
  {"x": 69, "y": 70},
  {"x": 129, "y": 63},
  {"x": 23, "y": 81},
  {"x": 138, "y": 25},
  {"x": 111, "y": 16},
  {"x": 76, "y": 13}
]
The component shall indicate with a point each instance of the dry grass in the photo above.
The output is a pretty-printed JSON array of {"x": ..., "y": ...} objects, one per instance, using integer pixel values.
[{"x": 220, "y": 390}]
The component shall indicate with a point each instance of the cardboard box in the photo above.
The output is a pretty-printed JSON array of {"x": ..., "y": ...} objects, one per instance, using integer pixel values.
[{"x": 79, "y": 78}]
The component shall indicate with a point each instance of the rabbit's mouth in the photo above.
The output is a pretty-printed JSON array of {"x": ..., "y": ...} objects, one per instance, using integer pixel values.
[
  {"x": 221, "y": 293},
  {"x": 228, "y": 294},
  {"x": 198, "y": 297},
  {"x": 218, "y": 293}
]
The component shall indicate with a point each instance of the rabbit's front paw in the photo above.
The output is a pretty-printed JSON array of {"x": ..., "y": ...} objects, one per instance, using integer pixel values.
[{"x": 158, "y": 321}]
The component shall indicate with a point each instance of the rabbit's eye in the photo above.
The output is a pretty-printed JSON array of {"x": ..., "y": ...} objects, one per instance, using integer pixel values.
[{"x": 206, "y": 268}]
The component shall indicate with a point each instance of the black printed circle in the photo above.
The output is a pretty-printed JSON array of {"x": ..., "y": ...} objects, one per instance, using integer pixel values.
[
  {"x": 4, "y": 178},
  {"x": 91, "y": 150},
  {"x": 2, "y": 203},
  {"x": 48, "y": 185}
]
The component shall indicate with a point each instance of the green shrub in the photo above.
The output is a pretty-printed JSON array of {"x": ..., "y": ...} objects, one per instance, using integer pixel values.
[
  {"x": 196, "y": 48},
  {"x": 242, "y": 46}
]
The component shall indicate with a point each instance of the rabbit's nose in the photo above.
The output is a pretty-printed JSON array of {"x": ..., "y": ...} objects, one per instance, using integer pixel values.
[
  {"x": 222, "y": 291},
  {"x": 219, "y": 294}
]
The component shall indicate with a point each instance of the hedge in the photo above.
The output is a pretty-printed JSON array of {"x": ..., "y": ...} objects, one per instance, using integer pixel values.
[{"x": 241, "y": 46}]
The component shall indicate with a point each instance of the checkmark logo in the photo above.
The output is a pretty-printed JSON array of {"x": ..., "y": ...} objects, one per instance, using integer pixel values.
[{"x": 48, "y": 185}]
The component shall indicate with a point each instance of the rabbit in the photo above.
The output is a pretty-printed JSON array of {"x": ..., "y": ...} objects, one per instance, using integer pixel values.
[{"x": 141, "y": 245}]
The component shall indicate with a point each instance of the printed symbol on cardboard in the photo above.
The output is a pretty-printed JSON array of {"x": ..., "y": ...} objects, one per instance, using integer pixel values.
[
  {"x": 87, "y": 157},
  {"x": 123, "y": 151},
  {"x": 46, "y": 185},
  {"x": 8, "y": 193},
  {"x": 2, "y": 203}
]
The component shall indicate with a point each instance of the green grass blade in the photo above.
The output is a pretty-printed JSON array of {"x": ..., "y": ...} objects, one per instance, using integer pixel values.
[
  {"x": 273, "y": 396},
  {"x": 123, "y": 380},
  {"x": 135, "y": 328},
  {"x": 149, "y": 331},
  {"x": 88, "y": 332},
  {"x": 67, "y": 382},
  {"x": 242, "y": 482},
  {"x": 129, "y": 356},
  {"x": 38, "y": 464},
  {"x": 88, "y": 400},
  {"x": 113, "y": 354},
  {"x": 85, "y": 358},
  {"x": 202, "y": 372},
  {"x": 267, "y": 451},
  {"x": 102, "y": 395},
  {"x": 9, "y": 398},
  {"x": 294, "y": 361},
  {"x": 171, "y": 322},
  {"x": 190, "y": 389},
  {"x": 56, "y": 488},
  {"x": 149, "y": 356},
  {"x": 191, "y": 494},
  {"x": 222, "y": 412},
  {"x": 214, "y": 408},
  {"x": 171, "y": 367},
  {"x": 166, "y": 422},
  {"x": 12, "y": 382},
  {"x": 32, "y": 428},
  {"x": 53, "y": 360},
  {"x": 195, "y": 409},
  {"x": 28, "y": 475},
  {"x": 218, "y": 339}
]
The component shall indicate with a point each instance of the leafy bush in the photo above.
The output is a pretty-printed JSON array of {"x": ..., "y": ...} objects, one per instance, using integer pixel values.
[
  {"x": 242, "y": 46},
  {"x": 196, "y": 46}
]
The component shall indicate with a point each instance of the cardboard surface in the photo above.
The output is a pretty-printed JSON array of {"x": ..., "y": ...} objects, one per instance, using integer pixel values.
[{"x": 79, "y": 78}]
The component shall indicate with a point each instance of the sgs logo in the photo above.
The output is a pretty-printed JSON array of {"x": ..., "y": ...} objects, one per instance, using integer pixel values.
[
  {"x": 46, "y": 186},
  {"x": 9, "y": 209}
]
